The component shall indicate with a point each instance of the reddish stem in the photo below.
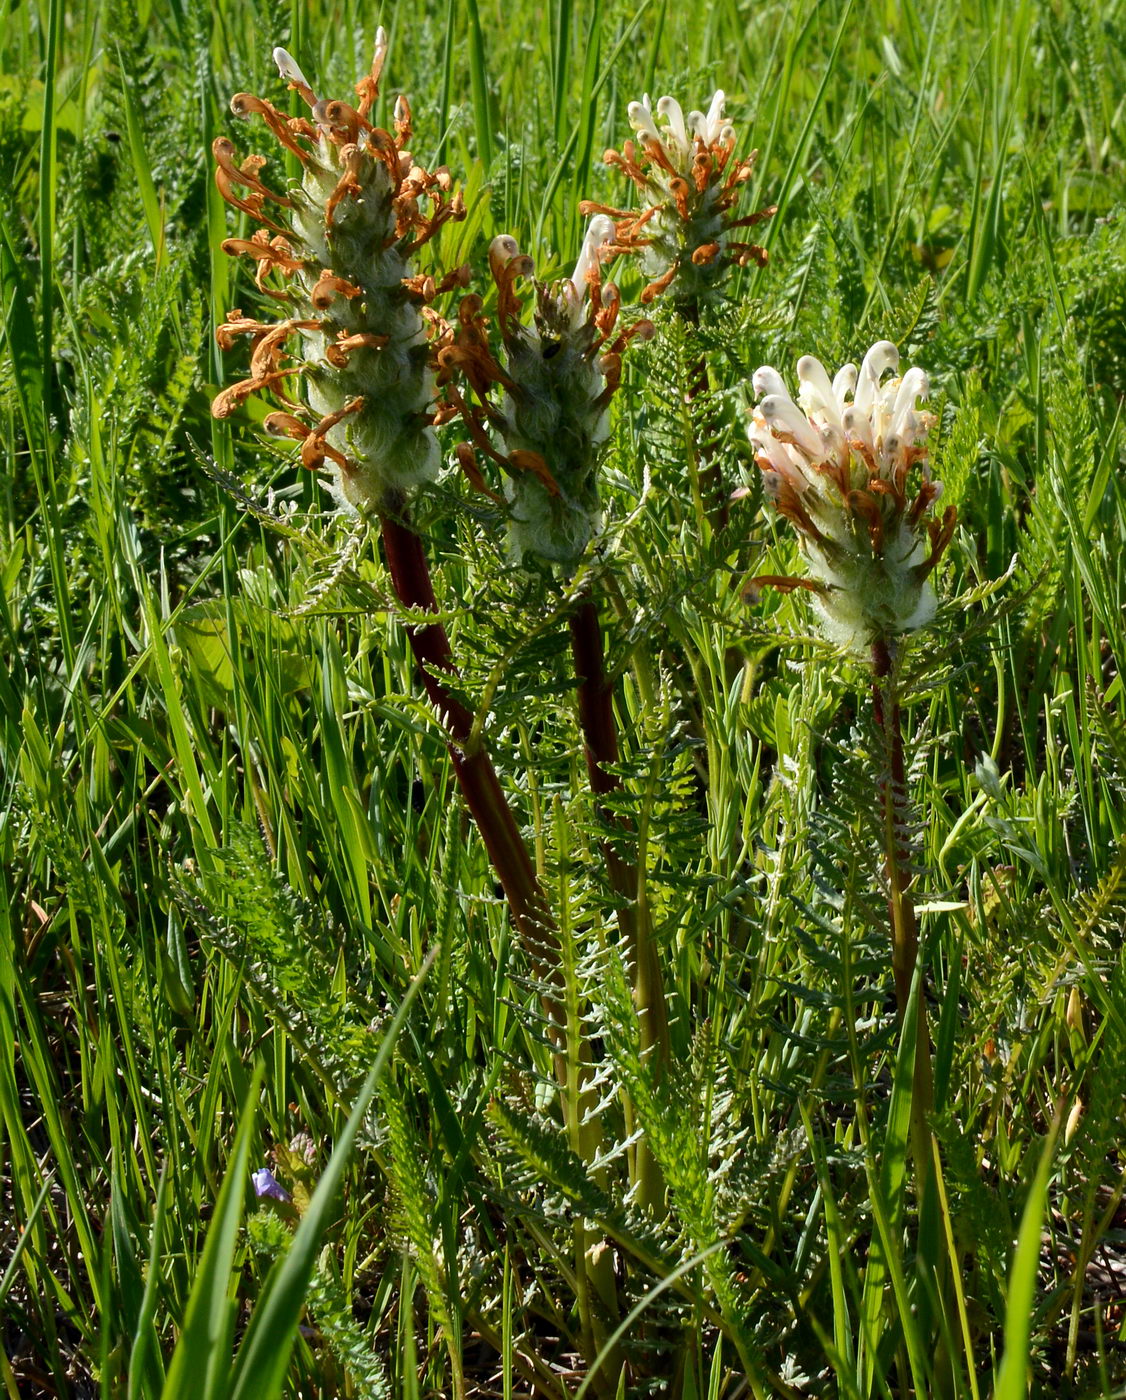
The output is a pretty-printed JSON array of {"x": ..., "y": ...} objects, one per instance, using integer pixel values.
[
  {"x": 596, "y": 699},
  {"x": 476, "y": 776}
]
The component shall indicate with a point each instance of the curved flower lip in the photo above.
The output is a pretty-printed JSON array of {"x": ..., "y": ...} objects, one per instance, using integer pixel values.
[
  {"x": 679, "y": 135},
  {"x": 712, "y": 127},
  {"x": 857, "y": 411},
  {"x": 600, "y": 231}
]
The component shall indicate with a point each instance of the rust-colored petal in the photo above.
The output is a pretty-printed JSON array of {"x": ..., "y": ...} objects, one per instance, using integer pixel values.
[
  {"x": 228, "y": 175},
  {"x": 245, "y": 104},
  {"x": 339, "y": 352},
  {"x": 315, "y": 448},
  {"x": 328, "y": 286},
  {"x": 286, "y": 425},
  {"x": 351, "y": 158},
  {"x": 655, "y": 288},
  {"x": 782, "y": 582},
  {"x": 227, "y": 400},
  {"x": 526, "y": 461},
  {"x": 940, "y": 534},
  {"x": 705, "y": 254},
  {"x": 758, "y": 217},
  {"x": 866, "y": 506},
  {"x": 592, "y": 206},
  {"x": 749, "y": 252},
  {"x": 467, "y": 461}
]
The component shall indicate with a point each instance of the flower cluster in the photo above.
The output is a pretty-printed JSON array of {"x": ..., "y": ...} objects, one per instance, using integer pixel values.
[
  {"x": 689, "y": 181},
  {"x": 557, "y": 379},
  {"x": 837, "y": 465},
  {"x": 336, "y": 253}
]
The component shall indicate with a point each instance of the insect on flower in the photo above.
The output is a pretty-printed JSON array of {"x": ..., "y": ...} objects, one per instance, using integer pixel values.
[
  {"x": 838, "y": 464},
  {"x": 350, "y": 360}
]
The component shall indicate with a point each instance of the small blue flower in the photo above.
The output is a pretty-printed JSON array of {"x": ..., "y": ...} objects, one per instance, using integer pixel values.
[{"x": 266, "y": 1184}]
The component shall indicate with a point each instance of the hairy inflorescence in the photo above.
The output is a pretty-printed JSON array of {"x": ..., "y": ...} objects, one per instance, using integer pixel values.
[
  {"x": 350, "y": 360},
  {"x": 556, "y": 377},
  {"x": 838, "y": 464},
  {"x": 690, "y": 181}
]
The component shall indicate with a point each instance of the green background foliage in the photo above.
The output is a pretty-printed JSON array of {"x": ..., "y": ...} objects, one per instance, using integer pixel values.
[{"x": 229, "y": 839}]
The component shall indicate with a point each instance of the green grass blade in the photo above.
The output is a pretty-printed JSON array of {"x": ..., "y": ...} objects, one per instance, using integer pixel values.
[
  {"x": 19, "y": 334},
  {"x": 888, "y": 1185},
  {"x": 26, "y": 1236},
  {"x": 146, "y": 1368},
  {"x": 639, "y": 1307},
  {"x": 142, "y": 169},
  {"x": 202, "y": 1356},
  {"x": 47, "y": 195},
  {"x": 1012, "y": 1382},
  {"x": 260, "y": 1367},
  {"x": 479, "y": 86}
]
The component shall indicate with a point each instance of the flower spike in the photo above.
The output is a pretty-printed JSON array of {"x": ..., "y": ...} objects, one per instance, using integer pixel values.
[
  {"x": 689, "y": 183},
  {"x": 341, "y": 246},
  {"x": 556, "y": 381},
  {"x": 837, "y": 465}
]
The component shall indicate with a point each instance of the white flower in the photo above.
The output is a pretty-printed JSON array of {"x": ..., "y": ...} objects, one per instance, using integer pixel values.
[
  {"x": 836, "y": 464},
  {"x": 599, "y": 231},
  {"x": 712, "y": 128},
  {"x": 854, "y": 414},
  {"x": 379, "y": 52},
  {"x": 288, "y": 69},
  {"x": 677, "y": 137}
]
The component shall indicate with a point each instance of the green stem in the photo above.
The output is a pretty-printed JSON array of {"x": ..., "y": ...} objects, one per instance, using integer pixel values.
[
  {"x": 713, "y": 492},
  {"x": 600, "y": 742},
  {"x": 901, "y": 904}
]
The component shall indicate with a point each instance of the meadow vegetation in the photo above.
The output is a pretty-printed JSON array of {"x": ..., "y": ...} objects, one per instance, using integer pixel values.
[{"x": 719, "y": 1134}]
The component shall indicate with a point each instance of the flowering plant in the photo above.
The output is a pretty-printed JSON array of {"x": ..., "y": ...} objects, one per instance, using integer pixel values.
[
  {"x": 689, "y": 181},
  {"x": 558, "y": 376},
  {"x": 838, "y": 464},
  {"x": 336, "y": 252}
]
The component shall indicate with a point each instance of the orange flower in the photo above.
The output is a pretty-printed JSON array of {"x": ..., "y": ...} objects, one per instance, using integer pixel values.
[
  {"x": 339, "y": 256},
  {"x": 690, "y": 182}
]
